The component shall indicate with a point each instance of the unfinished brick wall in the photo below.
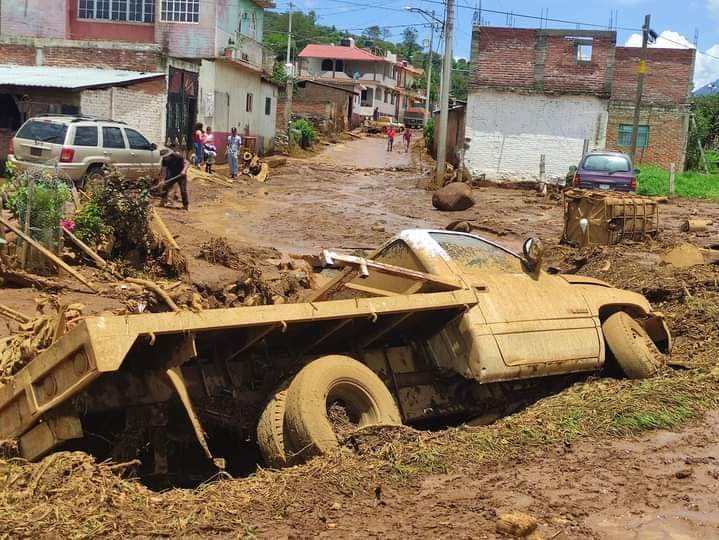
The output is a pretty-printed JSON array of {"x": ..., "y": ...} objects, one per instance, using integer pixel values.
[
  {"x": 141, "y": 106},
  {"x": 541, "y": 60},
  {"x": 668, "y": 128},
  {"x": 668, "y": 79},
  {"x": 80, "y": 54},
  {"x": 320, "y": 114}
]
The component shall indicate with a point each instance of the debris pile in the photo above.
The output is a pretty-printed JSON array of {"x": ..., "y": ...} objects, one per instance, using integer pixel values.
[
  {"x": 36, "y": 335},
  {"x": 259, "y": 281}
]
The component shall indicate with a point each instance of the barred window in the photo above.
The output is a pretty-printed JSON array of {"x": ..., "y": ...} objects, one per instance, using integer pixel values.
[
  {"x": 180, "y": 11},
  {"x": 117, "y": 10},
  {"x": 625, "y": 135}
]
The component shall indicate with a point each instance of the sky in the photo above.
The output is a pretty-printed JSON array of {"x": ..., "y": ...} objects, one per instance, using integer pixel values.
[{"x": 677, "y": 22}]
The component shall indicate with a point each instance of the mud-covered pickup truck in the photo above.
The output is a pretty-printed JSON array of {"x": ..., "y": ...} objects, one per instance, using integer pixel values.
[{"x": 434, "y": 326}]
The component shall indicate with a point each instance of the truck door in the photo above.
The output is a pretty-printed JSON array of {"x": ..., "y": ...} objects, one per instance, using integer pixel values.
[{"x": 536, "y": 320}]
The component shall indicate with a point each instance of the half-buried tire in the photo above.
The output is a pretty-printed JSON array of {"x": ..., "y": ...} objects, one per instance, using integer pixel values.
[
  {"x": 324, "y": 384},
  {"x": 635, "y": 352},
  {"x": 271, "y": 433}
]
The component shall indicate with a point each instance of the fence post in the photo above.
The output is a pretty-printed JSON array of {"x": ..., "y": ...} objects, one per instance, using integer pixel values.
[
  {"x": 672, "y": 171},
  {"x": 28, "y": 209}
]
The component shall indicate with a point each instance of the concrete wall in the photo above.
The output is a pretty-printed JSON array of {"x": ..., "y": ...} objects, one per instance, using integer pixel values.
[
  {"x": 224, "y": 87},
  {"x": 34, "y": 18},
  {"x": 142, "y": 106},
  {"x": 190, "y": 40},
  {"x": 510, "y": 131}
]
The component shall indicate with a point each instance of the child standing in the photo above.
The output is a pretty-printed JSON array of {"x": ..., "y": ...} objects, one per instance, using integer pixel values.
[
  {"x": 390, "y": 138},
  {"x": 210, "y": 150},
  {"x": 234, "y": 143}
]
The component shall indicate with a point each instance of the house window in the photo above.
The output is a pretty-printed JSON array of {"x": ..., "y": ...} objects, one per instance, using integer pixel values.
[
  {"x": 326, "y": 65},
  {"x": 625, "y": 135},
  {"x": 180, "y": 11},
  {"x": 339, "y": 65},
  {"x": 117, "y": 10},
  {"x": 268, "y": 106},
  {"x": 249, "y": 102},
  {"x": 584, "y": 52}
]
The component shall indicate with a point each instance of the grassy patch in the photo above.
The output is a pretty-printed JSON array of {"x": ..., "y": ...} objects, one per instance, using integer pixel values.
[{"x": 654, "y": 181}]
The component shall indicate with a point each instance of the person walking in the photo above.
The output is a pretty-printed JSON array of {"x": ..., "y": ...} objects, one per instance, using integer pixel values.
[
  {"x": 210, "y": 150},
  {"x": 175, "y": 166},
  {"x": 234, "y": 143},
  {"x": 390, "y": 138},
  {"x": 198, "y": 140},
  {"x": 375, "y": 114},
  {"x": 407, "y": 138}
]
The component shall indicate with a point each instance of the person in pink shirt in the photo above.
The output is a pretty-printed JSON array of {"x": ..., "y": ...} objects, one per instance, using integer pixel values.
[
  {"x": 198, "y": 140},
  {"x": 390, "y": 138}
]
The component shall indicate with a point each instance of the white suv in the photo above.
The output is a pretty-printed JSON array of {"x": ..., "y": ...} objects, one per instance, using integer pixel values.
[{"x": 77, "y": 147}]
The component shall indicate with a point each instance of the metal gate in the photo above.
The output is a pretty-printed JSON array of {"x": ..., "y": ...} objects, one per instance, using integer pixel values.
[{"x": 181, "y": 106}]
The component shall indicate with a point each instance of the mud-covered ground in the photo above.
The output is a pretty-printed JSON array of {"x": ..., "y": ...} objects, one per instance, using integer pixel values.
[{"x": 605, "y": 459}]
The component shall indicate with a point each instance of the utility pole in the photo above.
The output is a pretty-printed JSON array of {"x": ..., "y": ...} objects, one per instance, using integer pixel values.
[
  {"x": 289, "y": 88},
  {"x": 444, "y": 98},
  {"x": 429, "y": 73},
  {"x": 640, "y": 85}
]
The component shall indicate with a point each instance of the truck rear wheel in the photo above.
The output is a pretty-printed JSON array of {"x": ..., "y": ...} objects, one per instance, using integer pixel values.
[
  {"x": 635, "y": 352},
  {"x": 338, "y": 387},
  {"x": 271, "y": 434}
]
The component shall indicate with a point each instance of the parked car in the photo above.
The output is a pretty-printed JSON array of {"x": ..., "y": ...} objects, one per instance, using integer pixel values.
[
  {"x": 607, "y": 171},
  {"x": 78, "y": 147}
]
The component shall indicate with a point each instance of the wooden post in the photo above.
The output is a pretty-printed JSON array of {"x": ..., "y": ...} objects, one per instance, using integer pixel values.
[
  {"x": 28, "y": 208},
  {"x": 699, "y": 144},
  {"x": 672, "y": 172}
]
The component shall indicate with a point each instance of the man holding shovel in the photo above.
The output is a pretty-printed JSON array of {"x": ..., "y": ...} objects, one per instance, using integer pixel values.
[{"x": 175, "y": 167}]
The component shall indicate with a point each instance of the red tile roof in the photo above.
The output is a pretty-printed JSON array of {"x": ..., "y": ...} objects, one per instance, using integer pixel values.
[{"x": 314, "y": 50}]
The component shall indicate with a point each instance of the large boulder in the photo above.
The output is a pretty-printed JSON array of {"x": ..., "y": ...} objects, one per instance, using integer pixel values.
[{"x": 453, "y": 197}]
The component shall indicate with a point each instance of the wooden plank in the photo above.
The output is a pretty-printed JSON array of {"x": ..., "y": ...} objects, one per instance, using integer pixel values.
[
  {"x": 360, "y": 263},
  {"x": 102, "y": 263}
]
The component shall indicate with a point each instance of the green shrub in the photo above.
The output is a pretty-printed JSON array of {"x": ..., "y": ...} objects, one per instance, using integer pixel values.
[
  {"x": 429, "y": 134},
  {"x": 47, "y": 195},
  {"x": 307, "y": 133}
]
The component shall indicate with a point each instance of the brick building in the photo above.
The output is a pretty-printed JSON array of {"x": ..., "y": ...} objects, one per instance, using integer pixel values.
[
  {"x": 379, "y": 79},
  {"x": 209, "y": 50},
  {"x": 324, "y": 105},
  {"x": 537, "y": 92}
]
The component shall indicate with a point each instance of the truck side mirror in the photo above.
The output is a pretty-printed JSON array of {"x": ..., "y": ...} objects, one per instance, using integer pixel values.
[{"x": 533, "y": 250}]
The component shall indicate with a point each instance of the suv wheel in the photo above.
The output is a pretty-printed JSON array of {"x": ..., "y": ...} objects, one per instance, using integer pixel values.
[{"x": 93, "y": 179}]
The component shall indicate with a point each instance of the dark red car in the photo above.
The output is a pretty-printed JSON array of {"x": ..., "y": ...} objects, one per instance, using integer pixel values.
[{"x": 611, "y": 171}]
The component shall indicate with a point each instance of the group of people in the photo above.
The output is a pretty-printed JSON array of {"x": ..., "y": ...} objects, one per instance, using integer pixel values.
[
  {"x": 175, "y": 165},
  {"x": 206, "y": 151},
  {"x": 406, "y": 138}
]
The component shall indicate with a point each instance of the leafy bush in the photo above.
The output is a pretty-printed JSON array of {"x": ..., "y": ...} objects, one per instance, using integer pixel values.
[
  {"x": 307, "y": 133},
  {"x": 47, "y": 195},
  {"x": 429, "y": 134},
  {"x": 118, "y": 214},
  {"x": 654, "y": 181}
]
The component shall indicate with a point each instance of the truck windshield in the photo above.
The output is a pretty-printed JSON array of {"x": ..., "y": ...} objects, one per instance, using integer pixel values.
[{"x": 475, "y": 253}]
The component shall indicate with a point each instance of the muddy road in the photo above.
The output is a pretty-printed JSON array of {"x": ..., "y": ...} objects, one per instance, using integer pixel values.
[{"x": 354, "y": 195}]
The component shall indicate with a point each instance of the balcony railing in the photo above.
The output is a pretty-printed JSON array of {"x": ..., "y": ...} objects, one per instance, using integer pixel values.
[{"x": 253, "y": 53}]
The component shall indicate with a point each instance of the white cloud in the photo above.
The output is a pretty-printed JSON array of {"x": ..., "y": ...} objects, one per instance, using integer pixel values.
[
  {"x": 706, "y": 68},
  {"x": 713, "y": 7}
]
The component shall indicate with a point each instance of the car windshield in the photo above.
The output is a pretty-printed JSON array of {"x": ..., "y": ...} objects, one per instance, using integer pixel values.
[
  {"x": 606, "y": 163},
  {"x": 42, "y": 130},
  {"x": 474, "y": 253}
]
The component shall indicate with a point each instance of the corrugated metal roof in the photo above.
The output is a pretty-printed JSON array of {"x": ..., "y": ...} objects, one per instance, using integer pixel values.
[{"x": 69, "y": 77}]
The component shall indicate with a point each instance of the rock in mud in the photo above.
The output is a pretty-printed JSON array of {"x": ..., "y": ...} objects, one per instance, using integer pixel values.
[
  {"x": 453, "y": 197},
  {"x": 516, "y": 524},
  {"x": 684, "y": 256},
  {"x": 683, "y": 473}
]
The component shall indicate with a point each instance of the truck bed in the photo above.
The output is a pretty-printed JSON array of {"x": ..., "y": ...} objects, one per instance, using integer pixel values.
[{"x": 103, "y": 344}]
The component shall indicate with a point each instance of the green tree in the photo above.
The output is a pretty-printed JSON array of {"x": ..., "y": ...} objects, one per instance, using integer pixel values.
[{"x": 706, "y": 115}]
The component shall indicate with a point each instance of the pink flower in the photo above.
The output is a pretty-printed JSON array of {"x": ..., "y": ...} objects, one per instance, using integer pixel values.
[{"x": 68, "y": 224}]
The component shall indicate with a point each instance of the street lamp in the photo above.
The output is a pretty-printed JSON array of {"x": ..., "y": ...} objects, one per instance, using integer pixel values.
[{"x": 433, "y": 21}]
